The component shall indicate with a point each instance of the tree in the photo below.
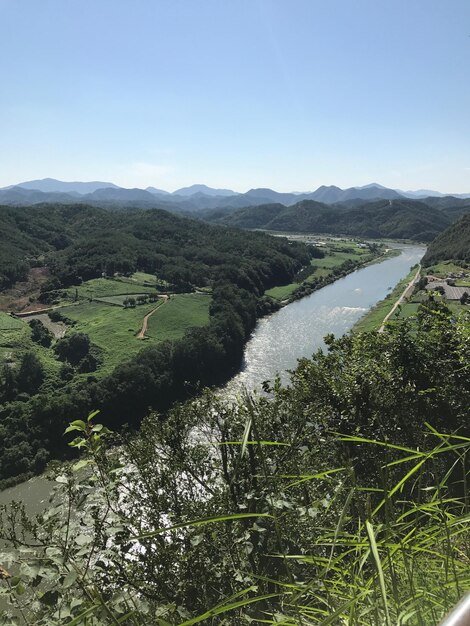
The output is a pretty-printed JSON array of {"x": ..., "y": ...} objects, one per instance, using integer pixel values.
[
  {"x": 30, "y": 373},
  {"x": 73, "y": 348},
  {"x": 8, "y": 383},
  {"x": 40, "y": 334}
]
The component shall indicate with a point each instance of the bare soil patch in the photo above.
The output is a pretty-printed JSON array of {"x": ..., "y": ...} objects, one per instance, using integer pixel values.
[{"x": 23, "y": 295}]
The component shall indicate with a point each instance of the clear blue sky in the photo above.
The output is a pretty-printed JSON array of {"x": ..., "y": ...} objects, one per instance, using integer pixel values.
[{"x": 288, "y": 94}]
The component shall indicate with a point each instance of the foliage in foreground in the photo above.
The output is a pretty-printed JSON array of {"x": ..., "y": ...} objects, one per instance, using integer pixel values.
[{"x": 262, "y": 513}]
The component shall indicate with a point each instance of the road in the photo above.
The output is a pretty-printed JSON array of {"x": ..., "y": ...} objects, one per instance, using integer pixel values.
[
  {"x": 405, "y": 294},
  {"x": 143, "y": 330}
]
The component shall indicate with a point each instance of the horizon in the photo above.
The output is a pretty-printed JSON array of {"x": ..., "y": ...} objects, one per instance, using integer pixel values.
[
  {"x": 301, "y": 95},
  {"x": 232, "y": 189}
]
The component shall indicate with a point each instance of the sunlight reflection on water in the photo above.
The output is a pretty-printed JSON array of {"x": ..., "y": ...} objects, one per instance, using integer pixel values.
[{"x": 298, "y": 329}]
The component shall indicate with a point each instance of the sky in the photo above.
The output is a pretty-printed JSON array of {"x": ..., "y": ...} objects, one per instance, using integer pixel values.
[{"x": 286, "y": 94}]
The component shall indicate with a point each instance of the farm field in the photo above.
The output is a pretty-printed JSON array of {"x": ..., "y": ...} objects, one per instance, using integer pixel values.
[
  {"x": 281, "y": 293},
  {"x": 7, "y": 322},
  {"x": 105, "y": 287},
  {"x": 119, "y": 300},
  {"x": 177, "y": 314},
  {"x": 114, "y": 329}
]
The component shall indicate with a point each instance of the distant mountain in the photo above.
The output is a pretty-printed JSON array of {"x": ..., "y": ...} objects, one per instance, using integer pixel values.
[
  {"x": 328, "y": 195},
  {"x": 121, "y": 195},
  {"x": 158, "y": 191},
  {"x": 208, "y": 191},
  {"x": 201, "y": 198},
  {"x": 51, "y": 185},
  {"x": 428, "y": 193},
  {"x": 453, "y": 243},
  {"x": 332, "y": 194}
]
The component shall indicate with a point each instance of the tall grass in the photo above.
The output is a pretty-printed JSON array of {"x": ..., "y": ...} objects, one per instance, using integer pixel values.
[
  {"x": 394, "y": 555},
  {"x": 405, "y": 561}
]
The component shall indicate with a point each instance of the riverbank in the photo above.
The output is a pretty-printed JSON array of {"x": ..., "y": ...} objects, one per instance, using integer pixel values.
[
  {"x": 374, "y": 318},
  {"x": 341, "y": 257}
]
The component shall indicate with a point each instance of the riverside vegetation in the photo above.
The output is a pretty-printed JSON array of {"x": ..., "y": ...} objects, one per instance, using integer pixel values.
[{"x": 340, "y": 499}]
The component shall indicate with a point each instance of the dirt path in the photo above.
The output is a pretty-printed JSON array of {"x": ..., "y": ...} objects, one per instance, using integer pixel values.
[
  {"x": 143, "y": 330},
  {"x": 405, "y": 293}
]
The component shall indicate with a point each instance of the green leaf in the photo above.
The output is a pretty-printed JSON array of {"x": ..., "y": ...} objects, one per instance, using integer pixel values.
[
  {"x": 81, "y": 464},
  {"x": 78, "y": 424},
  {"x": 79, "y": 618},
  {"x": 92, "y": 415},
  {"x": 70, "y": 579},
  {"x": 246, "y": 436},
  {"x": 228, "y": 607},
  {"x": 378, "y": 563},
  {"x": 199, "y": 522},
  {"x": 83, "y": 540}
]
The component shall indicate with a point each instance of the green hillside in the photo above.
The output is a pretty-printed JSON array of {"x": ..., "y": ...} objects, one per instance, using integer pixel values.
[
  {"x": 399, "y": 219},
  {"x": 453, "y": 243}
]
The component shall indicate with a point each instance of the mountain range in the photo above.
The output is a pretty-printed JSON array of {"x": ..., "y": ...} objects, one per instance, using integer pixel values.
[{"x": 194, "y": 198}]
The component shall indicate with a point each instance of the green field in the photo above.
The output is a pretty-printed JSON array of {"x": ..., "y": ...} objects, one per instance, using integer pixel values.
[
  {"x": 105, "y": 287},
  {"x": 177, "y": 314},
  {"x": 281, "y": 293},
  {"x": 333, "y": 259},
  {"x": 445, "y": 267},
  {"x": 114, "y": 329},
  {"x": 7, "y": 322}
]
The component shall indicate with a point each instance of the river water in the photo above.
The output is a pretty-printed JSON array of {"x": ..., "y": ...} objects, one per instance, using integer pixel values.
[
  {"x": 297, "y": 330},
  {"x": 278, "y": 341}
]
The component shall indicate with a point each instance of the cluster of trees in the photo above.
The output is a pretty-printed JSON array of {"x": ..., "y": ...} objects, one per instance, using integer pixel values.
[{"x": 132, "y": 301}]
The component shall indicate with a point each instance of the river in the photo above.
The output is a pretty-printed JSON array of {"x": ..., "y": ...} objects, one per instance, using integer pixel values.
[
  {"x": 297, "y": 330},
  {"x": 278, "y": 341}
]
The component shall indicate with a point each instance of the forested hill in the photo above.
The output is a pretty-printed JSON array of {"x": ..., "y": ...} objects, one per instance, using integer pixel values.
[
  {"x": 45, "y": 383},
  {"x": 453, "y": 243},
  {"x": 401, "y": 219},
  {"x": 80, "y": 242}
]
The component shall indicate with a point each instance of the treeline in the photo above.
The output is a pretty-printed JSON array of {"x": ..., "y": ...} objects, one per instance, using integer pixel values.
[{"x": 453, "y": 243}]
